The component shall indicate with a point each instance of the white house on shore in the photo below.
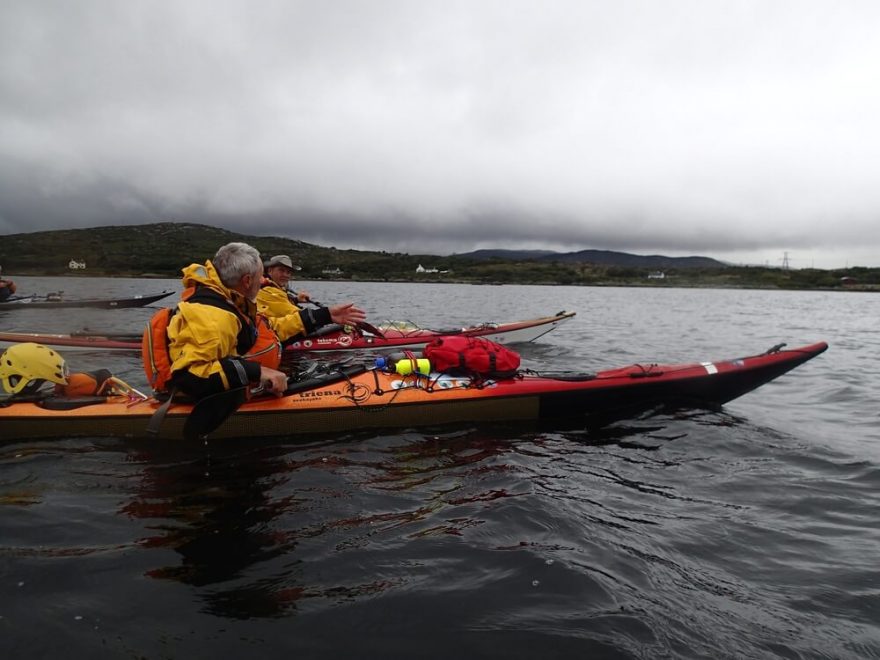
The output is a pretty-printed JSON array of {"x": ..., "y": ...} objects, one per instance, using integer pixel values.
[{"x": 76, "y": 265}]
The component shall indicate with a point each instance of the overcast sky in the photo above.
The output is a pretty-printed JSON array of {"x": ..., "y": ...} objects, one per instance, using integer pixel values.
[{"x": 736, "y": 129}]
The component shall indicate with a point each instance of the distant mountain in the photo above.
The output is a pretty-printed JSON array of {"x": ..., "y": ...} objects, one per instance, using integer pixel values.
[
  {"x": 598, "y": 257},
  {"x": 608, "y": 258},
  {"x": 510, "y": 255}
]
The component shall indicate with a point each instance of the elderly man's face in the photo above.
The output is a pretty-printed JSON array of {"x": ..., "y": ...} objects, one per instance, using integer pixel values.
[
  {"x": 280, "y": 275},
  {"x": 251, "y": 284}
]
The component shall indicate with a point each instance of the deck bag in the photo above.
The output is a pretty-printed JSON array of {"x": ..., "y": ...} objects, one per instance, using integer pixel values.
[
  {"x": 85, "y": 383},
  {"x": 471, "y": 356}
]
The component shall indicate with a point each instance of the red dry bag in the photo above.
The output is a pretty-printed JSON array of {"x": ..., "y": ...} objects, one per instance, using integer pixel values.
[{"x": 471, "y": 356}]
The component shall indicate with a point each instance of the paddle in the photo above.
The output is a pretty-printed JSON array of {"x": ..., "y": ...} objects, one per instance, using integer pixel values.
[
  {"x": 211, "y": 411},
  {"x": 88, "y": 332}
]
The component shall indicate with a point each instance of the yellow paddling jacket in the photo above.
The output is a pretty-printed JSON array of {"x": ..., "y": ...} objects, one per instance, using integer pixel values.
[
  {"x": 214, "y": 346},
  {"x": 286, "y": 319}
]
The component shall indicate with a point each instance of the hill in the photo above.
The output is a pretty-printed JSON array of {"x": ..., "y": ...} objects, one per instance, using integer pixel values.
[
  {"x": 162, "y": 249},
  {"x": 159, "y": 249}
]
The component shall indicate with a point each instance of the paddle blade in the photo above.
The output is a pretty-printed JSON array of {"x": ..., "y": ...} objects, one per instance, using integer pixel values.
[
  {"x": 372, "y": 329},
  {"x": 212, "y": 411}
]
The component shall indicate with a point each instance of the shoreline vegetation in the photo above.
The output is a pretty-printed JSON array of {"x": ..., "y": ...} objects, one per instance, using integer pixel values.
[{"x": 160, "y": 250}]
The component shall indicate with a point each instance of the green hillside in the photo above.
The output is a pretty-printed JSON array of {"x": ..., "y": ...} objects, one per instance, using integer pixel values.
[{"x": 162, "y": 249}]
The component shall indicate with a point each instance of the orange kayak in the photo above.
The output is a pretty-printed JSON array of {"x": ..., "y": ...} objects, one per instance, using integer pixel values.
[{"x": 356, "y": 397}]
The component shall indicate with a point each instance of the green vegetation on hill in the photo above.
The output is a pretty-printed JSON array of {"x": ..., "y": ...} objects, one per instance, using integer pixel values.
[{"x": 162, "y": 249}]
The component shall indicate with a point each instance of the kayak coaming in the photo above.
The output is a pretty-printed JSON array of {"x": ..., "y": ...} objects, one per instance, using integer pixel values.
[
  {"x": 374, "y": 399},
  {"x": 502, "y": 333}
]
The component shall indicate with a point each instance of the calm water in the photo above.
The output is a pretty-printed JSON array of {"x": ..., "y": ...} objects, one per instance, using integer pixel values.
[{"x": 747, "y": 533}]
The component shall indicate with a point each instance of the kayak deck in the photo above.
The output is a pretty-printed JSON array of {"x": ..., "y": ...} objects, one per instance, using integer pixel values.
[{"x": 359, "y": 398}]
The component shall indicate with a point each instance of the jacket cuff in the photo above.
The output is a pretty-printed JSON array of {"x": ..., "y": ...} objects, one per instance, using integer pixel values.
[
  {"x": 240, "y": 372},
  {"x": 313, "y": 319}
]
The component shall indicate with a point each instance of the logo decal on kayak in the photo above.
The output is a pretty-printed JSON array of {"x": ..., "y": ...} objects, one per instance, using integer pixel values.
[
  {"x": 360, "y": 393},
  {"x": 344, "y": 340},
  {"x": 315, "y": 394},
  {"x": 357, "y": 392}
]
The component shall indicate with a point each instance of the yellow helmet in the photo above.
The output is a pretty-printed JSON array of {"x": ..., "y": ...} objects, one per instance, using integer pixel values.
[{"x": 23, "y": 364}]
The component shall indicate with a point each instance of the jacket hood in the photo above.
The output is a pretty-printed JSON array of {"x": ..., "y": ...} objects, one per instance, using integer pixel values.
[{"x": 206, "y": 275}]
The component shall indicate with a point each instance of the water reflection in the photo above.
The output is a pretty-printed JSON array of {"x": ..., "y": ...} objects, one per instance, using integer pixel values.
[
  {"x": 213, "y": 507},
  {"x": 261, "y": 530}
]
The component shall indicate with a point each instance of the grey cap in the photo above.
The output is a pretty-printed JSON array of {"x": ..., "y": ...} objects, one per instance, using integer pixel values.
[{"x": 282, "y": 260}]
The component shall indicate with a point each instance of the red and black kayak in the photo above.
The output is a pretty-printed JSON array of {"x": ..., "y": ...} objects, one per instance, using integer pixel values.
[
  {"x": 354, "y": 397},
  {"x": 56, "y": 301},
  {"x": 394, "y": 336}
]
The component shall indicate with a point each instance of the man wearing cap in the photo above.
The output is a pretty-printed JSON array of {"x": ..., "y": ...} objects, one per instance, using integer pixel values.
[
  {"x": 280, "y": 270},
  {"x": 289, "y": 321}
]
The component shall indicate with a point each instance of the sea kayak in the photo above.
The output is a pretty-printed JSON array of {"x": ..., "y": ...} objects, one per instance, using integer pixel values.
[
  {"x": 56, "y": 301},
  {"x": 395, "y": 335},
  {"x": 353, "y": 397}
]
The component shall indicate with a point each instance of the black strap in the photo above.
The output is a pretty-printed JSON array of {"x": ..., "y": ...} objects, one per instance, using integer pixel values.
[
  {"x": 70, "y": 403},
  {"x": 50, "y": 401},
  {"x": 159, "y": 416}
]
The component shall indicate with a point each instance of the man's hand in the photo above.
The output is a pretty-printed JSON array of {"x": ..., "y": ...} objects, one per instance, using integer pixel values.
[
  {"x": 347, "y": 314},
  {"x": 273, "y": 381}
]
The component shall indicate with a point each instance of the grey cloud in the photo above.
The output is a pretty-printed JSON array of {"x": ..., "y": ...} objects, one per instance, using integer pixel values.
[{"x": 675, "y": 127}]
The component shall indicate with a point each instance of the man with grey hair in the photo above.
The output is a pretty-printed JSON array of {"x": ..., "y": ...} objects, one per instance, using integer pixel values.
[{"x": 215, "y": 340}]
